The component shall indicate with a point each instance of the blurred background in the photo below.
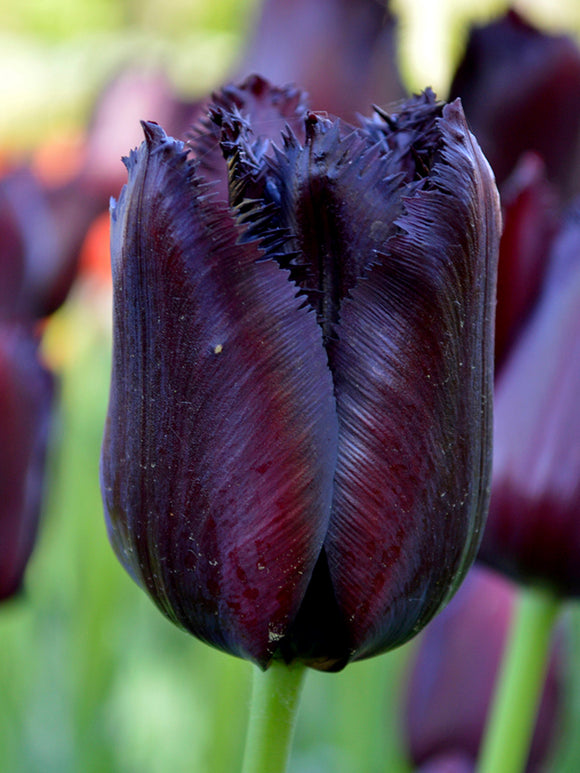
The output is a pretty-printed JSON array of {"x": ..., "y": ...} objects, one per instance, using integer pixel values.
[{"x": 92, "y": 678}]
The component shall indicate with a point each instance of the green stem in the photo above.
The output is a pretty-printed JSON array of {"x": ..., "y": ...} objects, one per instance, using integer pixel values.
[
  {"x": 511, "y": 722},
  {"x": 275, "y": 697}
]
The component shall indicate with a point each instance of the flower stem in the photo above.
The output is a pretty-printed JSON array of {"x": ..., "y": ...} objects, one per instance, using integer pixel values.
[
  {"x": 511, "y": 722},
  {"x": 275, "y": 697}
]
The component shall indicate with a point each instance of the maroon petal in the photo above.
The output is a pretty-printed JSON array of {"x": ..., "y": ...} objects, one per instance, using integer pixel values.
[
  {"x": 265, "y": 110},
  {"x": 533, "y": 530},
  {"x": 220, "y": 443},
  {"x": 530, "y": 224},
  {"x": 520, "y": 89},
  {"x": 30, "y": 250},
  {"x": 26, "y": 391},
  {"x": 334, "y": 196},
  {"x": 41, "y": 232},
  {"x": 338, "y": 199},
  {"x": 413, "y": 378}
]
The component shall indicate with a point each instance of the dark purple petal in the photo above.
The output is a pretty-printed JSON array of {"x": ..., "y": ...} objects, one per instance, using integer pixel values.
[
  {"x": 30, "y": 248},
  {"x": 220, "y": 444},
  {"x": 341, "y": 52},
  {"x": 41, "y": 232},
  {"x": 26, "y": 391},
  {"x": 520, "y": 89},
  {"x": 533, "y": 531},
  {"x": 262, "y": 109},
  {"x": 413, "y": 376},
  {"x": 530, "y": 223},
  {"x": 338, "y": 202},
  {"x": 455, "y": 670},
  {"x": 334, "y": 196}
]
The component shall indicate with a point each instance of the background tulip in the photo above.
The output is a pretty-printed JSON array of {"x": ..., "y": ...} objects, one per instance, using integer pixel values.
[
  {"x": 36, "y": 272},
  {"x": 342, "y": 53},
  {"x": 453, "y": 674},
  {"x": 520, "y": 88},
  {"x": 533, "y": 530},
  {"x": 531, "y": 219},
  {"x": 25, "y": 406},
  {"x": 284, "y": 488}
]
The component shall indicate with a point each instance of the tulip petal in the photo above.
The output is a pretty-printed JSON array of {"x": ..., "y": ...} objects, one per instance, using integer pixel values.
[
  {"x": 336, "y": 197},
  {"x": 413, "y": 375},
  {"x": 530, "y": 224},
  {"x": 533, "y": 531},
  {"x": 220, "y": 444},
  {"x": 26, "y": 393},
  {"x": 255, "y": 103},
  {"x": 521, "y": 91}
]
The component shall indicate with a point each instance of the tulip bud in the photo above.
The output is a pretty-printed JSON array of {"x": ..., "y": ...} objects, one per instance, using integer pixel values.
[
  {"x": 521, "y": 91},
  {"x": 25, "y": 402},
  {"x": 530, "y": 223},
  {"x": 296, "y": 456},
  {"x": 41, "y": 231},
  {"x": 533, "y": 531}
]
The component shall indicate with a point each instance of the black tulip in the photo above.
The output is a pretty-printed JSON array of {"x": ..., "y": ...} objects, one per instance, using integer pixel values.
[{"x": 297, "y": 452}]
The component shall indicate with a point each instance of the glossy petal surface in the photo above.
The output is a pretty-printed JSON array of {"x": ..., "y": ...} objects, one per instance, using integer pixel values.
[
  {"x": 340, "y": 197},
  {"x": 25, "y": 401},
  {"x": 533, "y": 530},
  {"x": 220, "y": 445},
  {"x": 413, "y": 375}
]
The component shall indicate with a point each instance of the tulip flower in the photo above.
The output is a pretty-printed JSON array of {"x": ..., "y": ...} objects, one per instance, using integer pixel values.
[
  {"x": 533, "y": 533},
  {"x": 520, "y": 88},
  {"x": 26, "y": 390},
  {"x": 41, "y": 231},
  {"x": 36, "y": 271},
  {"x": 453, "y": 674},
  {"x": 296, "y": 457},
  {"x": 341, "y": 52},
  {"x": 530, "y": 223}
]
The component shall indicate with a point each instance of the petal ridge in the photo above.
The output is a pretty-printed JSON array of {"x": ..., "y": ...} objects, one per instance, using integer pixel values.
[
  {"x": 413, "y": 377},
  {"x": 220, "y": 443}
]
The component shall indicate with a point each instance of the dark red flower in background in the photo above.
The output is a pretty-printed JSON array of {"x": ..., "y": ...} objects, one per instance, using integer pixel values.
[
  {"x": 531, "y": 219},
  {"x": 533, "y": 532},
  {"x": 26, "y": 391},
  {"x": 520, "y": 89},
  {"x": 37, "y": 266},
  {"x": 342, "y": 53}
]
